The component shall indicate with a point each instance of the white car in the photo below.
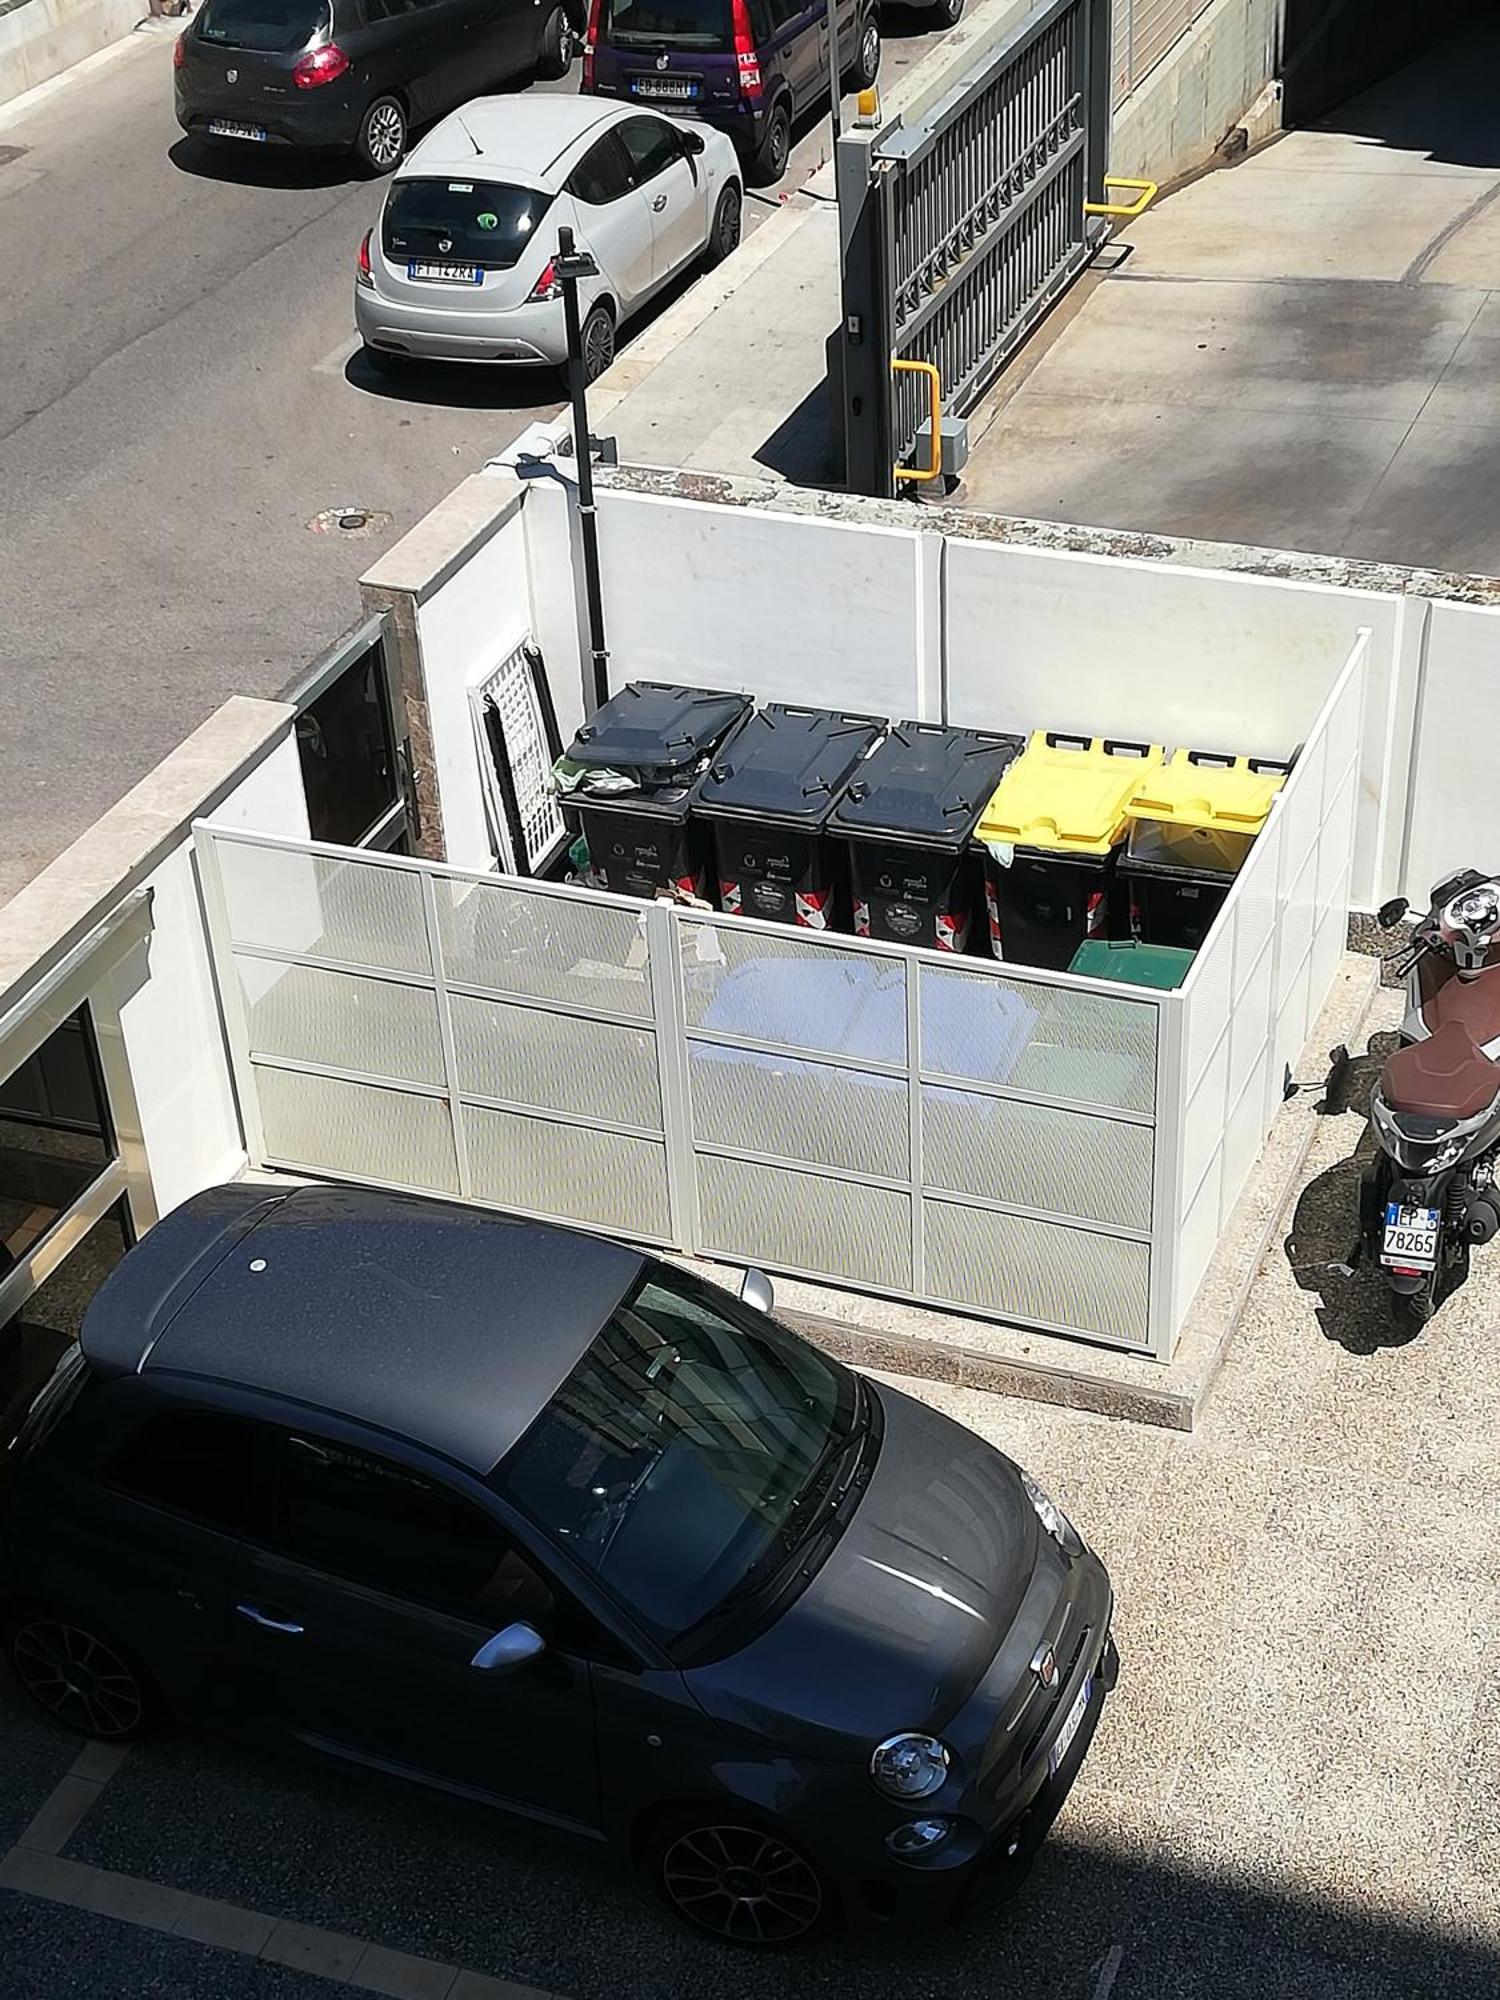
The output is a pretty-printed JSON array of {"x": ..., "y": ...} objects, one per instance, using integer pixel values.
[{"x": 460, "y": 265}]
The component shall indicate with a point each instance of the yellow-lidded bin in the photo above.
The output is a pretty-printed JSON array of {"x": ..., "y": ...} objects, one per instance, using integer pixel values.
[
  {"x": 1191, "y": 826},
  {"x": 1050, "y": 834}
]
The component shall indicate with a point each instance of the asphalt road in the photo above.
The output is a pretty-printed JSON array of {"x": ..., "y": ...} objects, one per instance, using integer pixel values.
[{"x": 177, "y": 403}]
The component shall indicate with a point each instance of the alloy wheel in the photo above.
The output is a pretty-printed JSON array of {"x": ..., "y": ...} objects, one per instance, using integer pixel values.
[
  {"x": 729, "y": 224},
  {"x": 743, "y": 1884},
  {"x": 598, "y": 345},
  {"x": 75, "y": 1676},
  {"x": 385, "y": 135},
  {"x": 869, "y": 51}
]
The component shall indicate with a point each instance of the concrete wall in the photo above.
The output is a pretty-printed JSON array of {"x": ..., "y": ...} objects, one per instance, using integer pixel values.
[
  {"x": 41, "y": 38},
  {"x": 1015, "y": 625},
  {"x": 1176, "y": 115}
]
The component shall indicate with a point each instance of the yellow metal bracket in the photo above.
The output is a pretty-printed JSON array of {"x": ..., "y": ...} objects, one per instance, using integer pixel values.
[
  {"x": 1124, "y": 211},
  {"x": 934, "y": 469}
]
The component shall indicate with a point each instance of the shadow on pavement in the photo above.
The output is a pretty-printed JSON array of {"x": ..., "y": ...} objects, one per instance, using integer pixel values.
[
  {"x": 1443, "y": 104},
  {"x": 1354, "y": 1307},
  {"x": 395, "y": 1866},
  {"x": 248, "y": 165},
  {"x": 459, "y": 385}
]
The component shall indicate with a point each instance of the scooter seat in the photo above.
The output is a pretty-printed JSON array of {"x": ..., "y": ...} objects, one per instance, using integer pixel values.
[{"x": 1444, "y": 1077}]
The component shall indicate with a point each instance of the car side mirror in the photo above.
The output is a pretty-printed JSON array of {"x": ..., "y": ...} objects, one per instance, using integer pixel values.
[
  {"x": 692, "y": 142},
  {"x": 516, "y": 1646},
  {"x": 1391, "y": 913},
  {"x": 757, "y": 1290}
]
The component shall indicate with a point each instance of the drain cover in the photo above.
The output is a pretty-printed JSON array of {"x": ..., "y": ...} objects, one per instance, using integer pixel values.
[{"x": 350, "y": 524}]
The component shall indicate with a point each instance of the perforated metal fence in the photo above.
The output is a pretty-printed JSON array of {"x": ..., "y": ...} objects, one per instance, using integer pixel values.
[
  {"x": 962, "y": 226},
  {"x": 985, "y": 1137}
]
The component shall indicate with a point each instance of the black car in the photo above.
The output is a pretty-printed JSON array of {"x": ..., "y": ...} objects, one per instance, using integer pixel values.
[
  {"x": 354, "y": 73},
  {"x": 544, "y": 1522}
]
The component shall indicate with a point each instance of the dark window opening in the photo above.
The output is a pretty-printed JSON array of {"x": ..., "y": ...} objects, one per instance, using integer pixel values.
[
  {"x": 269, "y": 27},
  {"x": 55, "y": 1135},
  {"x": 685, "y": 24},
  {"x": 194, "y": 1462},
  {"x": 348, "y": 754}
]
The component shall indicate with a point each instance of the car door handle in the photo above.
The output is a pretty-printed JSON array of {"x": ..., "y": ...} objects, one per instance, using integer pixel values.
[
  {"x": 257, "y": 1617},
  {"x": 659, "y": 203}
]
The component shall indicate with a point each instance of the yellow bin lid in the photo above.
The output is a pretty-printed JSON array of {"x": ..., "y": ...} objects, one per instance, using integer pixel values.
[
  {"x": 1198, "y": 788},
  {"x": 1070, "y": 794}
]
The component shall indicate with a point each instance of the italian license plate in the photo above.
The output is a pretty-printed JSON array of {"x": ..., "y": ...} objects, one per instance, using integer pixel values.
[
  {"x": 236, "y": 128},
  {"x": 1411, "y": 1237},
  {"x": 446, "y": 274},
  {"x": 1072, "y": 1726},
  {"x": 665, "y": 86}
]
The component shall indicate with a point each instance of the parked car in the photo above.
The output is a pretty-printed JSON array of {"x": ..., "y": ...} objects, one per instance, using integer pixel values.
[
  {"x": 460, "y": 266},
  {"x": 749, "y": 67},
  {"x": 539, "y": 1520},
  {"x": 354, "y": 73}
]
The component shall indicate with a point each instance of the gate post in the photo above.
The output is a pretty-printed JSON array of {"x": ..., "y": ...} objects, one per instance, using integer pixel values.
[
  {"x": 1098, "y": 75},
  {"x": 866, "y": 331}
]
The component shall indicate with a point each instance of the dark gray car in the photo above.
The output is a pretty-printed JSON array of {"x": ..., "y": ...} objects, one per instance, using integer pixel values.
[{"x": 540, "y": 1520}]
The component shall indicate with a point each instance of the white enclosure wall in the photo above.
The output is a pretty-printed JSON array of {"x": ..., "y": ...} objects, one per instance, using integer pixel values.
[
  {"x": 1455, "y": 801},
  {"x": 1257, "y": 985},
  {"x": 465, "y": 629}
]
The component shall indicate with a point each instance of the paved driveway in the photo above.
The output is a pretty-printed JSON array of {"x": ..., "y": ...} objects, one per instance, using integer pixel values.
[
  {"x": 1299, "y": 351},
  {"x": 1295, "y": 1792}
]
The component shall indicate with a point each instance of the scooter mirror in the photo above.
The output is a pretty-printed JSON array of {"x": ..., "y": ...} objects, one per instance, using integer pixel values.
[{"x": 1391, "y": 913}]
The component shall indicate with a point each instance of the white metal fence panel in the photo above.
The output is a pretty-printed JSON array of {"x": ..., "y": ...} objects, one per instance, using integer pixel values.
[
  {"x": 1257, "y": 985},
  {"x": 972, "y": 1135}
]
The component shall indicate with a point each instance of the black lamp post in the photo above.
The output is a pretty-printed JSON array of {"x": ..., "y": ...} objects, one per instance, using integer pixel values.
[{"x": 571, "y": 264}]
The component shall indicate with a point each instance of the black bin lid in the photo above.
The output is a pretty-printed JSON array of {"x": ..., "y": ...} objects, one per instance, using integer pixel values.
[
  {"x": 926, "y": 786},
  {"x": 656, "y": 726},
  {"x": 786, "y": 765}
]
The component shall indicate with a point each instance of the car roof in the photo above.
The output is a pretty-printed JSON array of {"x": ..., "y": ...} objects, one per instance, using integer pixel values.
[
  {"x": 523, "y": 136},
  {"x": 446, "y": 1325}
]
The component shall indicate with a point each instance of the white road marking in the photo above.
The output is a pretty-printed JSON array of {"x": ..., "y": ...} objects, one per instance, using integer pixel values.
[{"x": 1109, "y": 1972}]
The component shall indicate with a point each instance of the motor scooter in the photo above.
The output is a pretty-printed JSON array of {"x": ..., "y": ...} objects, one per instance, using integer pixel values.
[{"x": 1429, "y": 1196}]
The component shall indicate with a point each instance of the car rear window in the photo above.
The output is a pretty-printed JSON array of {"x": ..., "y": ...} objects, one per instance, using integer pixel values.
[
  {"x": 473, "y": 222},
  {"x": 680, "y": 24},
  {"x": 274, "y": 27}
]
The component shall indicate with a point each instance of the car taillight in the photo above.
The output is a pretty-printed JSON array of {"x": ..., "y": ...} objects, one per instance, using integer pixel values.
[
  {"x": 365, "y": 275},
  {"x": 179, "y": 50},
  {"x": 320, "y": 66},
  {"x": 746, "y": 55},
  {"x": 591, "y": 41},
  {"x": 547, "y": 286}
]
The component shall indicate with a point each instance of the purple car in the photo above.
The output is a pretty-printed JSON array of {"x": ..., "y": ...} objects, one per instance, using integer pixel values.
[{"x": 747, "y": 66}]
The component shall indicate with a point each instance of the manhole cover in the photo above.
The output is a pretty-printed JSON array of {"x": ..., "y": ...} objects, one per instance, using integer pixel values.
[{"x": 350, "y": 524}]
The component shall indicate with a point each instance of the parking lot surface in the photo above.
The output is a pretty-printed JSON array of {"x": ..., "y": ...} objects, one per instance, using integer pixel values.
[{"x": 1294, "y": 1792}]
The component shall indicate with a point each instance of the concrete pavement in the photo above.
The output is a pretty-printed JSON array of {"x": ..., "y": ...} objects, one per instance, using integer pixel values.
[{"x": 1297, "y": 352}]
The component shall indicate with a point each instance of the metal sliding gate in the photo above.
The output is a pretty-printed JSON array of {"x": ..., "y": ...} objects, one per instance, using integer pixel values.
[{"x": 962, "y": 227}]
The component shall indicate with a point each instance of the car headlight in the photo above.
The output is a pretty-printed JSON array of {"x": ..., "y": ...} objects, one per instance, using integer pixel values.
[
  {"x": 910, "y": 1766},
  {"x": 1052, "y": 1517}
]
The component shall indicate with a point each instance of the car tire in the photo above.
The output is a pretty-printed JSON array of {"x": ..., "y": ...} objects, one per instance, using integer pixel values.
[
  {"x": 381, "y": 144},
  {"x": 866, "y": 65},
  {"x": 556, "y": 56},
  {"x": 78, "y": 1677},
  {"x": 775, "y": 149},
  {"x": 598, "y": 342},
  {"x": 724, "y": 237},
  {"x": 742, "y": 1880},
  {"x": 948, "y": 13}
]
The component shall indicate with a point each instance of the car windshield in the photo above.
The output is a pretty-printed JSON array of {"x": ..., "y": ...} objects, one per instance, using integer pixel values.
[
  {"x": 673, "y": 1459},
  {"x": 274, "y": 27},
  {"x": 473, "y": 222},
  {"x": 683, "y": 24}
]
